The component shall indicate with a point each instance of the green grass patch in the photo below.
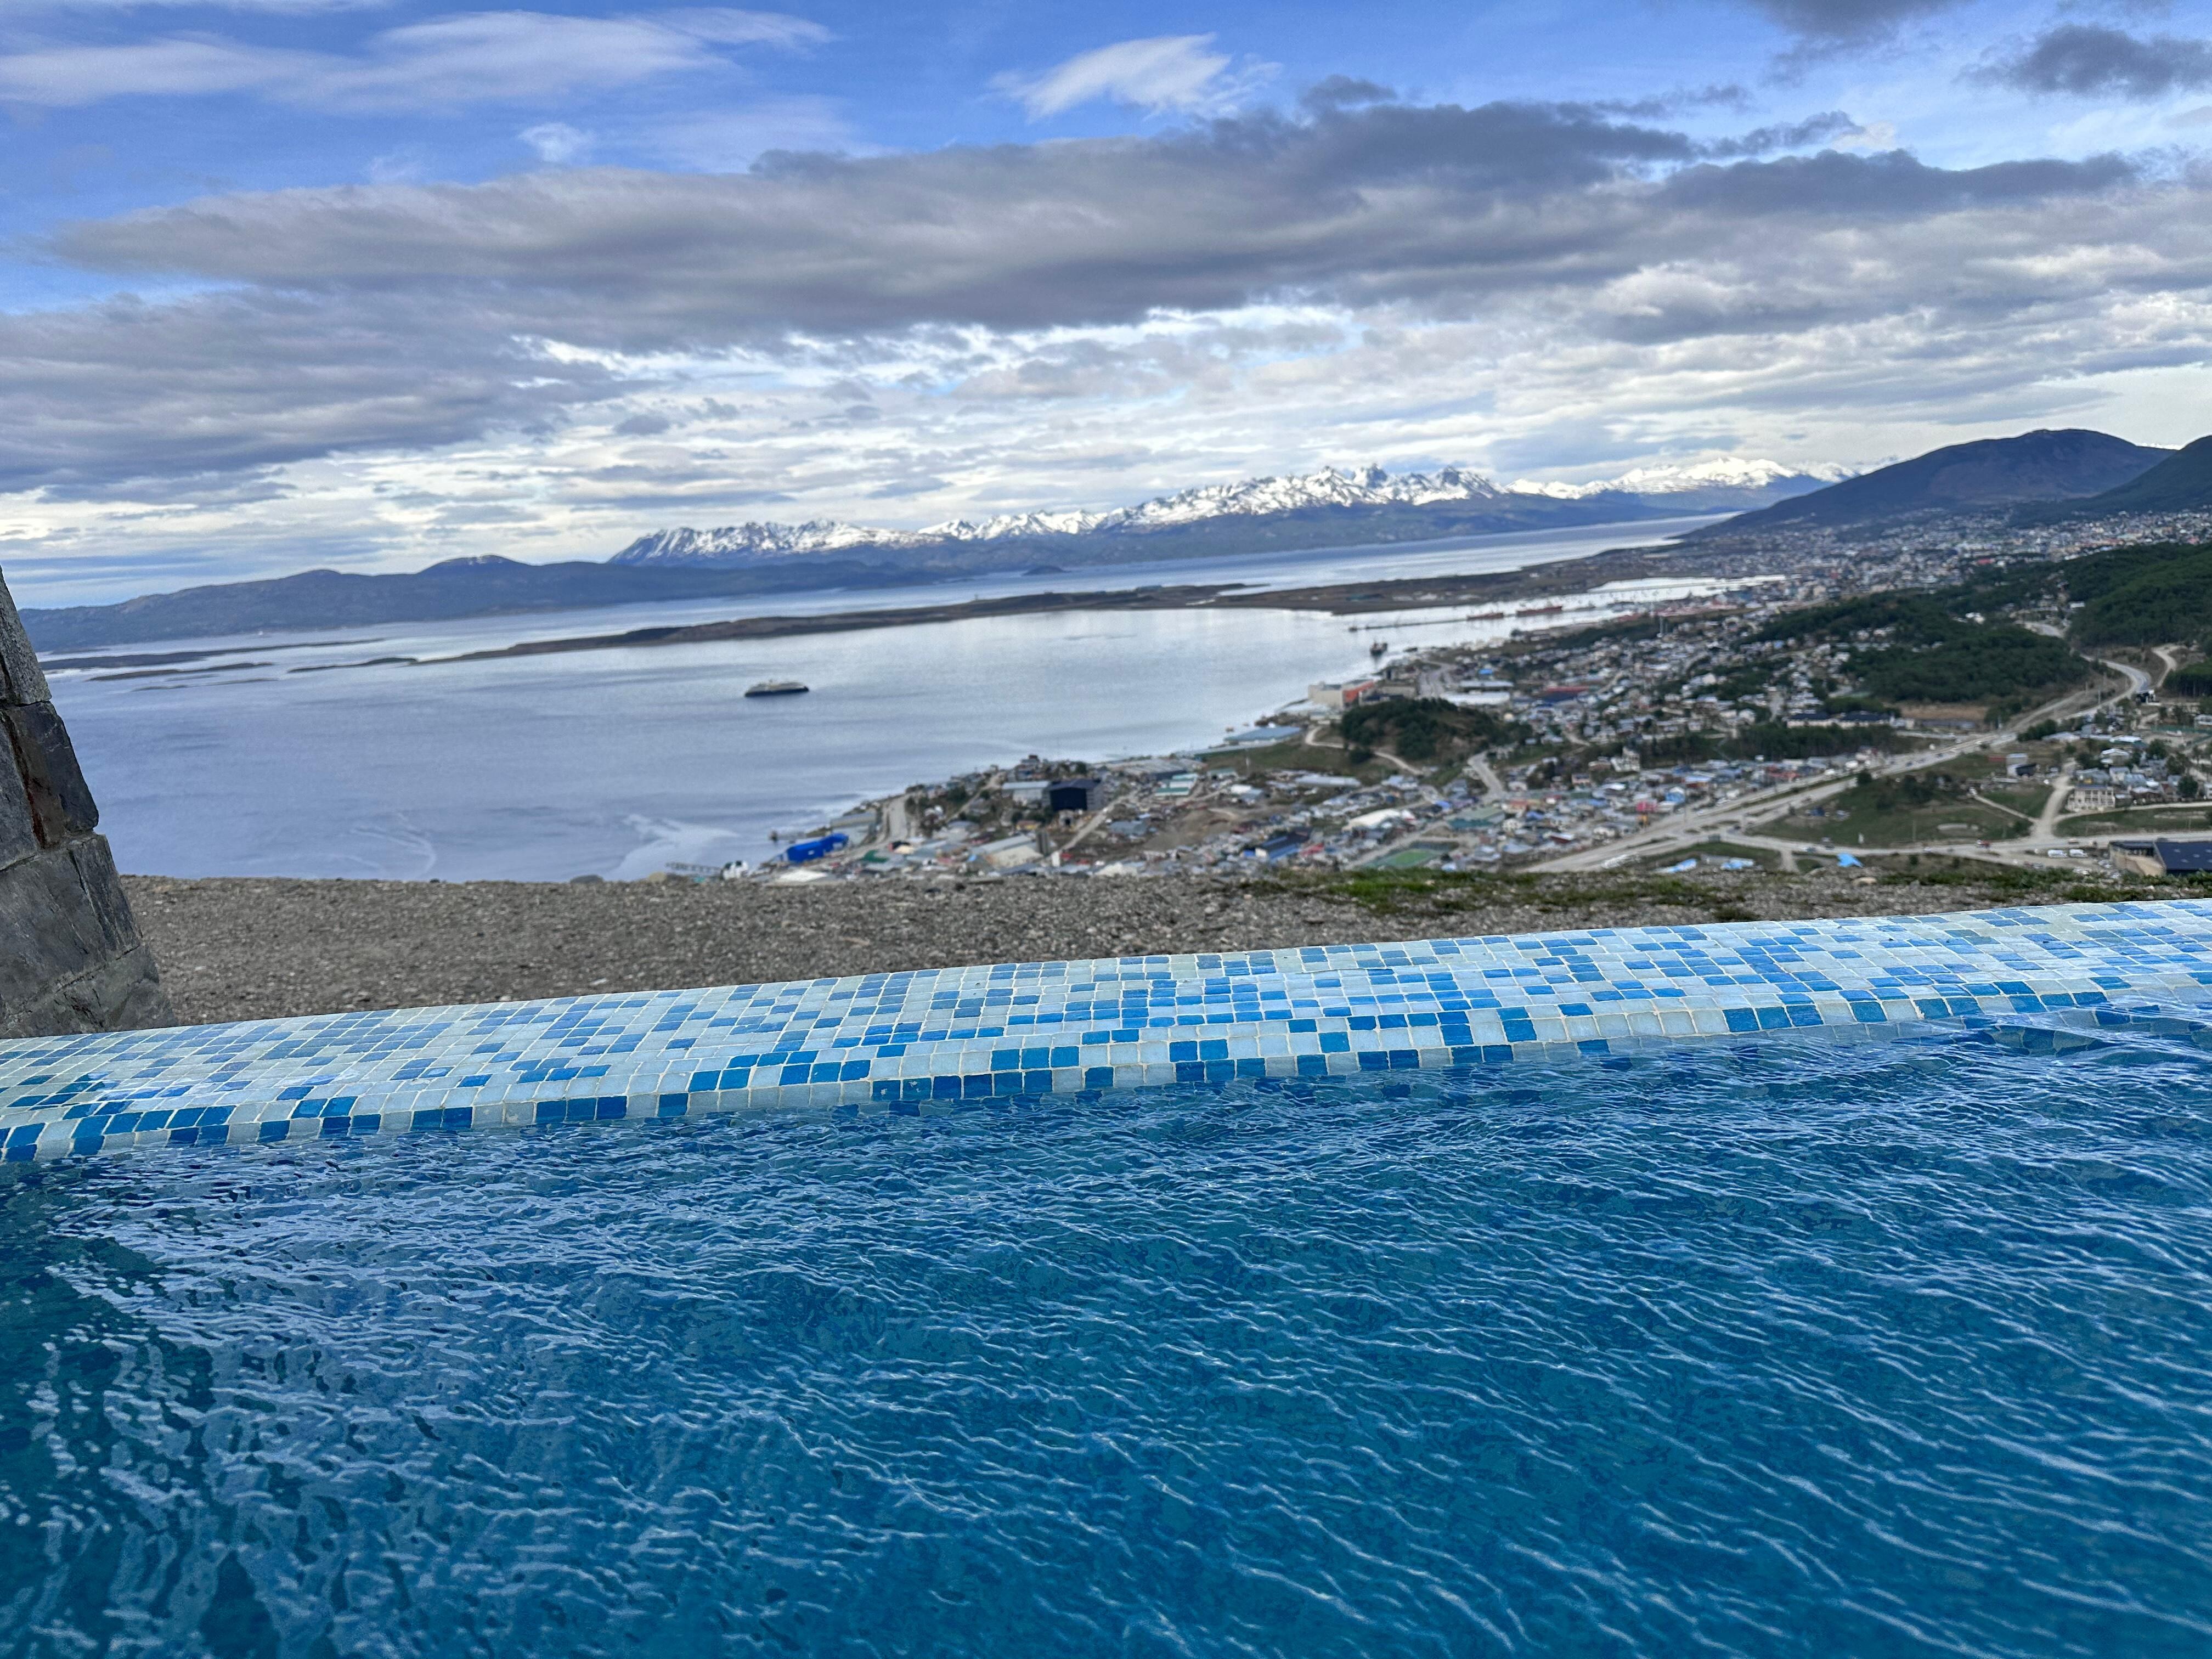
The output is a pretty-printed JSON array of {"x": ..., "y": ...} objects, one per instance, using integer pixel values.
[
  {"x": 2005, "y": 883},
  {"x": 1906, "y": 825},
  {"x": 1908, "y": 809},
  {"x": 2024, "y": 799},
  {"x": 2161, "y": 821},
  {"x": 1440, "y": 893}
]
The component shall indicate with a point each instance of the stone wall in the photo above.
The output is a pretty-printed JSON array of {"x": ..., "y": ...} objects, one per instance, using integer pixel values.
[{"x": 70, "y": 957}]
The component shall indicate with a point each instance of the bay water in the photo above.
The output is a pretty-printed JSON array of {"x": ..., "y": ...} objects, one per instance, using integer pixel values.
[{"x": 617, "y": 762}]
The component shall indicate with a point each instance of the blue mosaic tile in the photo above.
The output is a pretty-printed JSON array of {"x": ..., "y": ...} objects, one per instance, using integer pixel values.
[{"x": 995, "y": 1035}]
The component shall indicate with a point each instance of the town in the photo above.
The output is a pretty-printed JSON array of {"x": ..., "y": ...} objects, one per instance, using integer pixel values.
[{"x": 1817, "y": 706}]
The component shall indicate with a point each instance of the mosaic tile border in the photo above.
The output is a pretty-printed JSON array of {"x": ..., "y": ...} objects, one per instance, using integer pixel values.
[{"x": 964, "y": 1036}]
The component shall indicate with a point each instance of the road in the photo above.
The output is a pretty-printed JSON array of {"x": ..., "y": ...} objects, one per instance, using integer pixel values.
[
  {"x": 1729, "y": 820},
  {"x": 1685, "y": 829}
]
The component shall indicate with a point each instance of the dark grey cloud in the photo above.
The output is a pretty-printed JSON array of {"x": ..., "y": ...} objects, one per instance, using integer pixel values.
[
  {"x": 1383, "y": 199},
  {"x": 2089, "y": 62},
  {"x": 1890, "y": 186},
  {"x": 1847, "y": 21},
  {"x": 1429, "y": 204},
  {"x": 95, "y": 401},
  {"x": 1715, "y": 95},
  {"x": 1788, "y": 134},
  {"x": 1344, "y": 92},
  {"x": 399, "y": 316}
]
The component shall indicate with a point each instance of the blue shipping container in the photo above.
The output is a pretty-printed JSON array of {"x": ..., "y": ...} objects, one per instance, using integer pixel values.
[{"x": 805, "y": 852}]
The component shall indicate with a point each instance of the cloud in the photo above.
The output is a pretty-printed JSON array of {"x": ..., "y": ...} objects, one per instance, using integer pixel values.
[
  {"x": 1823, "y": 129},
  {"x": 1875, "y": 135},
  {"x": 1715, "y": 95},
  {"x": 557, "y": 144},
  {"x": 1441, "y": 205},
  {"x": 1847, "y": 22},
  {"x": 2084, "y": 61},
  {"x": 1355, "y": 263},
  {"x": 731, "y": 137},
  {"x": 1893, "y": 185},
  {"x": 221, "y": 383},
  {"x": 466, "y": 58},
  {"x": 1165, "y": 72},
  {"x": 1342, "y": 92}
]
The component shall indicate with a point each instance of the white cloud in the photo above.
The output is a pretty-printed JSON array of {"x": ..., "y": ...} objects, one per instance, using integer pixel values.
[
  {"x": 464, "y": 58},
  {"x": 732, "y": 27},
  {"x": 547, "y": 364},
  {"x": 60, "y": 76},
  {"x": 409, "y": 164},
  {"x": 1164, "y": 72},
  {"x": 1873, "y": 135},
  {"x": 557, "y": 144},
  {"x": 729, "y": 139}
]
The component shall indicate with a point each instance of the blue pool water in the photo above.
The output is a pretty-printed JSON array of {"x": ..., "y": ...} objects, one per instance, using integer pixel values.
[{"x": 1803, "y": 1348}]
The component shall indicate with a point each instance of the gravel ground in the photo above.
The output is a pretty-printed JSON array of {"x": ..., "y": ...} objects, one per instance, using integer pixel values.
[{"x": 254, "y": 949}]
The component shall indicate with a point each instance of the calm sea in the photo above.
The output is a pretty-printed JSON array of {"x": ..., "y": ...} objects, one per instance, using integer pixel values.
[{"x": 617, "y": 762}]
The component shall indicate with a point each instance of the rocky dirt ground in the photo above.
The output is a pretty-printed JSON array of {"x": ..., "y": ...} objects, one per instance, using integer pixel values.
[{"x": 252, "y": 949}]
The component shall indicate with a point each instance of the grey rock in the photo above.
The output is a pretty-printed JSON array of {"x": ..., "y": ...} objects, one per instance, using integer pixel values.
[
  {"x": 103, "y": 890},
  {"x": 21, "y": 679},
  {"x": 120, "y": 994},
  {"x": 61, "y": 801},
  {"x": 19, "y": 834},
  {"x": 50, "y": 934},
  {"x": 70, "y": 956}
]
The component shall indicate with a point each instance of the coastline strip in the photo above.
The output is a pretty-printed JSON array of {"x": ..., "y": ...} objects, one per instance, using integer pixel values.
[{"x": 1338, "y": 599}]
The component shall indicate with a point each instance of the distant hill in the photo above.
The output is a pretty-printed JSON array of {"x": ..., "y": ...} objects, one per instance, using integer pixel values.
[
  {"x": 2181, "y": 481},
  {"x": 482, "y": 586},
  {"x": 691, "y": 564},
  {"x": 1991, "y": 473}
]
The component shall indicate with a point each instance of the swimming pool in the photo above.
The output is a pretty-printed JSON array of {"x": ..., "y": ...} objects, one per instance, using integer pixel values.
[{"x": 1753, "y": 1341}]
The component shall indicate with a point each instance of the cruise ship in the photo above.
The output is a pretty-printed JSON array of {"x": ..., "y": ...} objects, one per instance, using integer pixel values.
[{"x": 775, "y": 689}]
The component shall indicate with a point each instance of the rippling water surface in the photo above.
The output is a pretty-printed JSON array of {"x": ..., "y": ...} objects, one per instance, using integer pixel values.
[{"x": 1882, "y": 1350}]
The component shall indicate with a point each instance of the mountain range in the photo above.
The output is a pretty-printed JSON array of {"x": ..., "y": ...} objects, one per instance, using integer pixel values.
[
  {"x": 2036, "y": 476},
  {"x": 1452, "y": 501},
  {"x": 1329, "y": 508},
  {"x": 2180, "y": 484},
  {"x": 2072, "y": 466}
]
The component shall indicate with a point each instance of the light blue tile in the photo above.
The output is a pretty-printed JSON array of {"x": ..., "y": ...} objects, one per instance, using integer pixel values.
[{"x": 823, "y": 1044}]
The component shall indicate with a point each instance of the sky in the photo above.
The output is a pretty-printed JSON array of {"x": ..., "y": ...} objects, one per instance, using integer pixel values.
[{"x": 369, "y": 285}]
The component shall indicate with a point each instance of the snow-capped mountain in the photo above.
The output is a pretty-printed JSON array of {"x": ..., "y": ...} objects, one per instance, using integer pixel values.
[
  {"x": 1728, "y": 473},
  {"x": 1725, "y": 484},
  {"x": 1368, "y": 487},
  {"x": 741, "y": 543}
]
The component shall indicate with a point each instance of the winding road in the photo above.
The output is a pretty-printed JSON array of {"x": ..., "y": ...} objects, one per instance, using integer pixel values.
[{"x": 1738, "y": 821}]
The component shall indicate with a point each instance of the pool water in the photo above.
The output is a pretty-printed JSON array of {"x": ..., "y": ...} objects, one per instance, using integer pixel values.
[{"x": 1792, "y": 1349}]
